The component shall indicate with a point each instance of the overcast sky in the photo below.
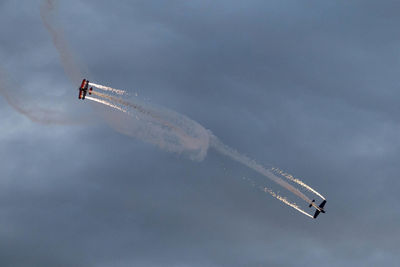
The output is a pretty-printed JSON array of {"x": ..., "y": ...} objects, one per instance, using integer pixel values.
[{"x": 311, "y": 87}]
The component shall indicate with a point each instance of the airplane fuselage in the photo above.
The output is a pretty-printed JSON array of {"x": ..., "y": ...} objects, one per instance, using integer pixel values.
[{"x": 318, "y": 208}]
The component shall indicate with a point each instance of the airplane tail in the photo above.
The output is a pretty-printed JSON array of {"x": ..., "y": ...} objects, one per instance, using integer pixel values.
[{"x": 311, "y": 203}]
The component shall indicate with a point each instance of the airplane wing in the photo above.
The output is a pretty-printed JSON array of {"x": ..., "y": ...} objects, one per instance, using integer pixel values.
[
  {"x": 84, "y": 88},
  {"x": 321, "y": 206},
  {"x": 316, "y": 214},
  {"x": 83, "y": 83},
  {"x": 81, "y": 89}
]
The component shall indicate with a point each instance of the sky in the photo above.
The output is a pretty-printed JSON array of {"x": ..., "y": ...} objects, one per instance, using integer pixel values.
[{"x": 310, "y": 87}]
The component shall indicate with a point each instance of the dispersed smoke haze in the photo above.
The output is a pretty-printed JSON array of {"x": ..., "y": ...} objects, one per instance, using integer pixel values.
[{"x": 22, "y": 104}]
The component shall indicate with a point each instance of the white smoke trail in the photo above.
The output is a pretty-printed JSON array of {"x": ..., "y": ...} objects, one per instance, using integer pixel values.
[
  {"x": 167, "y": 129},
  {"x": 297, "y": 181},
  {"x": 275, "y": 195},
  {"x": 106, "y": 103},
  {"x": 127, "y": 104},
  {"x": 109, "y": 89},
  {"x": 233, "y": 154},
  {"x": 142, "y": 110},
  {"x": 178, "y": 131},
  {"x": 287, "y": 202}
]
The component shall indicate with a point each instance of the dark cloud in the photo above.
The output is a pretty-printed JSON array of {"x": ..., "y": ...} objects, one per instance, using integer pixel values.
[{"x": 309, "y": 87}]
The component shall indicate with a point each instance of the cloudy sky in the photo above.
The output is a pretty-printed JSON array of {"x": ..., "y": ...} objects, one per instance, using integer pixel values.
[{"x": 311, "y": 87}]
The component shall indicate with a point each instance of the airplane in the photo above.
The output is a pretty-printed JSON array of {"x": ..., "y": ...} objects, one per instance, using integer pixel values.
[
  {"x": 319, "y": 208},
  {"x": 83, "y": 89}
]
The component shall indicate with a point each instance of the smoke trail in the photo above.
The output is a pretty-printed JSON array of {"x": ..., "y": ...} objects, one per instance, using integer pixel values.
[
  {"x": 106, "y": 103},
  {"x": 275, "y": 195},
  {"x": 152, "y": 114},
  {"x": 141, "y": 110},
  {"x": 128, "y": 104},
  {"x": 299, "y": 182},
  {"x": 144, "y": 111},
  {"x": 233, "y": 154},
  {"x": 69, "y": 62},
  {"x": 287, "y": 202},
  {"x": 106, "y": 88},
  {"x": 8, "y": 91},
  {"x": 167, "y": 129}
]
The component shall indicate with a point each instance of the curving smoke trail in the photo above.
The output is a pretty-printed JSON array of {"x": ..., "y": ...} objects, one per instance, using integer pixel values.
[
  {"x": 287, "y": 202},
  {"x": 233, "y": 154},
  {"x": 297, "y": 181},
  {"x": 68, "y": 60},
  {"x": 277, "y": 196}
]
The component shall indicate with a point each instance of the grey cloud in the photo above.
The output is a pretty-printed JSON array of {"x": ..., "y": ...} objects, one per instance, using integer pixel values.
[{"x": 309, "y": 87}]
